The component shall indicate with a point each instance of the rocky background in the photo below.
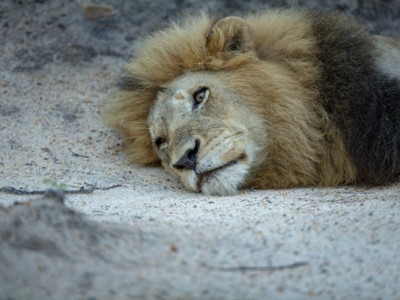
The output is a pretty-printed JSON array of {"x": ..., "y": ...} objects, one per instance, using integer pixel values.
[{"x": 37, "y": 32}]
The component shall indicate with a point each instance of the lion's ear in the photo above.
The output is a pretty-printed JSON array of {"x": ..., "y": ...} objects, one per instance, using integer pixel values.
[{"x": 230, "y": 34}]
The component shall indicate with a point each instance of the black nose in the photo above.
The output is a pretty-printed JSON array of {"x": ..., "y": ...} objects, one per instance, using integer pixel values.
[{"x": 188, "y": 160}]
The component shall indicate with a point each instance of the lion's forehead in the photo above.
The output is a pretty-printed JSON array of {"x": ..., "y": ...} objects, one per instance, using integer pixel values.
[
  {"x": 169, "y": 119},
  {"x": 167, "y": 113},
  {"x": 173, "y": 106},
  {"x": 174, "y": 118}
]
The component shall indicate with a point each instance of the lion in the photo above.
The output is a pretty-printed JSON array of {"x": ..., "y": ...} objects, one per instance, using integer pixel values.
[{"x": 274, "y": 100}]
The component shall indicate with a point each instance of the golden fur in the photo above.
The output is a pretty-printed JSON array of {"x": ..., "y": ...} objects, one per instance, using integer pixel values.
[{"x": 264, "y": 81}]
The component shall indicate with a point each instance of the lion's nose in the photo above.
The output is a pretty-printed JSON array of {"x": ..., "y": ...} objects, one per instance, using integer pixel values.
[{"x": 188, "y": 160}]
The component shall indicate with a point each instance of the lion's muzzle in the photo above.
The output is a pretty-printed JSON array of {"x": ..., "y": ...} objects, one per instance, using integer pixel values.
[{"x": 189, "y": 158}]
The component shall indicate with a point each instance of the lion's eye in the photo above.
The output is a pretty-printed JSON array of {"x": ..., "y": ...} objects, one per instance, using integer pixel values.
[
  {"x": 200, "y": 96},
  {"x": 159, "y": 141}
]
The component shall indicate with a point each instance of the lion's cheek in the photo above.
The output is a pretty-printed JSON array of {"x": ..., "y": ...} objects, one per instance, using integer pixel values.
[
  {"x": 236, "y": 150},
  {"x": 222, "y": 150}
]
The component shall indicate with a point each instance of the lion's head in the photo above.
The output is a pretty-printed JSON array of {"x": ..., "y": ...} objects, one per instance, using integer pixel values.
[
  {"x": 205, "y": 134},
  {"x": 231, "y": 103}
]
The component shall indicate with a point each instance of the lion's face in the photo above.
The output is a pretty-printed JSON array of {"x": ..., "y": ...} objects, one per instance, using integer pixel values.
[{"x": 202, "y": 133}]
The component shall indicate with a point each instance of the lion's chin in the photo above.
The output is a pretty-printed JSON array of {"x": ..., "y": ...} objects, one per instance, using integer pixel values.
[{"x": 221, "y": 181}]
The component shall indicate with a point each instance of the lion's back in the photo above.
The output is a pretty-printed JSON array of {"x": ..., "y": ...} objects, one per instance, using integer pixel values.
[{"x": 357, "y": 76}]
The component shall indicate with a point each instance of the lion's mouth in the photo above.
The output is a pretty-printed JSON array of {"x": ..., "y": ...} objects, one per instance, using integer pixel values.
[{"x": 206, "y": 175}]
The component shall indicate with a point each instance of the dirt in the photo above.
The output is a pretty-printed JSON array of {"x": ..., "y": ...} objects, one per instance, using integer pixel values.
[{"x": 148, "y": 238}]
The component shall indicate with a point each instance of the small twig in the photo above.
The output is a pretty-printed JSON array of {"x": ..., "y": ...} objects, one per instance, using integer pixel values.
[
  {"x": 82, "y": 190},
  {"x": 261, "y": 268},
  {"x": 14, "y": 191},
  {"x": 109, "y": 187}
]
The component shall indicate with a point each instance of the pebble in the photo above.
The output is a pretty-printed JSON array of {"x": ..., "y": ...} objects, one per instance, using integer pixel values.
[{"x": 95, "y": 12}]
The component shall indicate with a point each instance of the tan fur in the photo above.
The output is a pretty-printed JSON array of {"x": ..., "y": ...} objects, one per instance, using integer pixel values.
[{"x": 271, "y": 65}]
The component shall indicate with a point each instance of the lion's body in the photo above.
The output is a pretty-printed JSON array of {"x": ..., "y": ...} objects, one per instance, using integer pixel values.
[{"x": 296, "y": 99}]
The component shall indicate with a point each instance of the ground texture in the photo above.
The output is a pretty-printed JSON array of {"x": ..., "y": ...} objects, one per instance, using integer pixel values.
[{"x": 122, "y": 231}]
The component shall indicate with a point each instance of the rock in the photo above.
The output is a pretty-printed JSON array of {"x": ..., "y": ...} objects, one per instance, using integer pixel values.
[{"x": 95, "y": 11}]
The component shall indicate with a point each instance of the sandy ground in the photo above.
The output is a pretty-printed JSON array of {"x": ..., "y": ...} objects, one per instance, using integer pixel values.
[{"x": 146, "y": 237}]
